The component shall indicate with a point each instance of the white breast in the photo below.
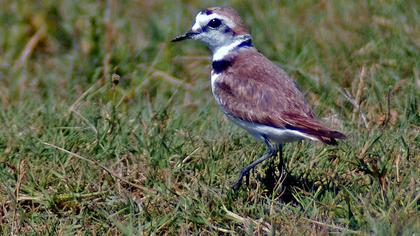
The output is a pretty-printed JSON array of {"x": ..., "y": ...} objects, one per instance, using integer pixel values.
[{"x": 214, "y": 79}]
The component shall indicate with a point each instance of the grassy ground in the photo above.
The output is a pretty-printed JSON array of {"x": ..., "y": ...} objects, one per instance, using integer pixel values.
[{"x": 146, "y": 150}]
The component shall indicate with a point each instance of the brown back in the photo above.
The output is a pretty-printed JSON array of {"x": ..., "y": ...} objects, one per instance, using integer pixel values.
[{"x": 254, "y": 89}]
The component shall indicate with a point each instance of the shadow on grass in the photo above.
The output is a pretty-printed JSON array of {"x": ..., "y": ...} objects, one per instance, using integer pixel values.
[{"x": 289, "y": 183}]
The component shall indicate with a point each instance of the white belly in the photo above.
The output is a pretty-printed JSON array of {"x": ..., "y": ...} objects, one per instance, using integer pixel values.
[{"x": 276, "y": 135}]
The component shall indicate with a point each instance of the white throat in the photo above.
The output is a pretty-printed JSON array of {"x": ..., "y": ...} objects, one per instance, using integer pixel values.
[{"x": 220, "y": 52}]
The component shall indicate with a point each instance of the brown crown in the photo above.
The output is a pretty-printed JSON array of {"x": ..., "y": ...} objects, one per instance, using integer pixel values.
[{"x": 228, "y": 12}]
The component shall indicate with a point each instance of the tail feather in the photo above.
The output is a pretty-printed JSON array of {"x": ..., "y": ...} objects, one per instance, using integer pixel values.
[
  {"x": 331, "y": 140},
  {"x": 324, "y": 135},
  {"x": 314, "y": 128}
]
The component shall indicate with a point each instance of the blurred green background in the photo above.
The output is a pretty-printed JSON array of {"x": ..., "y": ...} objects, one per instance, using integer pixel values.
[{"x": 108, "y": 128}]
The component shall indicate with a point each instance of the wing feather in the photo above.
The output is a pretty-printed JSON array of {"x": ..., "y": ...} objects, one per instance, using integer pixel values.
[{"x": 254, "y": 89}]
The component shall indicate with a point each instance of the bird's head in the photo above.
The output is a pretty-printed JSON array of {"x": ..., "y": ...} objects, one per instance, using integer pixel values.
[{"x": 216, "y": 27}]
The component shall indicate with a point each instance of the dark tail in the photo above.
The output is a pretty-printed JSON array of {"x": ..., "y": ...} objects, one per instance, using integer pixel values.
[
  {"x": 320, "y": 132},
  {"x": 312, "y": 127},
  {"x": 330, "y": 137}
]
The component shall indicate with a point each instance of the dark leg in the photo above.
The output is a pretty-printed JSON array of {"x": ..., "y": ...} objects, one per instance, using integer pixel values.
[{"x": 272, "y": 151}]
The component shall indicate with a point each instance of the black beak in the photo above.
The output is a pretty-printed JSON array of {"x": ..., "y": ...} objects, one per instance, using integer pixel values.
[{"x": 185, "y": 36}]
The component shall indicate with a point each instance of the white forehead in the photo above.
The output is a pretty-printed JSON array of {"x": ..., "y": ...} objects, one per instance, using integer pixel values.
[{"x": 202, "y": 19}]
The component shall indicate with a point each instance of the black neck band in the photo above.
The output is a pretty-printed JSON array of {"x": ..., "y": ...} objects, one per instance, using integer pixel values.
[
  {"x": 220, "y": 65},
  {"x": 246, "y": 43}
]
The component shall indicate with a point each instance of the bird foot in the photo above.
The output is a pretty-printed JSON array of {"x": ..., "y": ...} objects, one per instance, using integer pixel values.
[{"x": 238, "y": 182}]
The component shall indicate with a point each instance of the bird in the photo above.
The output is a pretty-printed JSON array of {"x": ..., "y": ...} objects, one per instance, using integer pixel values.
[{"x": 252, "y": 91}]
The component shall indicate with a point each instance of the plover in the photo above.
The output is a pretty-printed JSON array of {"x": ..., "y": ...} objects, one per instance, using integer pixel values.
[{"x": 252, "y": 91}]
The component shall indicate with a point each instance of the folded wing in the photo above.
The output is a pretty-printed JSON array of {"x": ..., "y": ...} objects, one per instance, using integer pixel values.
[{"x": 264, "y": 94}]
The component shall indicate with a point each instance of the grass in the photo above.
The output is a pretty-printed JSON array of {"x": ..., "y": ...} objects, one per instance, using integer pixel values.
[{"x": 147, "y": 151}]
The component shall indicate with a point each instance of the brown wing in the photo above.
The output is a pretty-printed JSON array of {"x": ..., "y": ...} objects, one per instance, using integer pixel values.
[{"x": 255, "y": 90}]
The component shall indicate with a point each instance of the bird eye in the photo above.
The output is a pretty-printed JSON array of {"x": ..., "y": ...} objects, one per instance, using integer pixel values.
[{"x": 214, "y": 23}]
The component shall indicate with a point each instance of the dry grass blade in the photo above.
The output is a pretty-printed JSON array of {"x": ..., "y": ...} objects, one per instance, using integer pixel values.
[
  {"x": 187, "y": 158},
  {"x": 341, "y": 229},
  {"x": 266, "y": 227},
  {"x": 102, "y": 167},
  {"x": 360, "y": 91},
  {"x": 223, "y": 230},
  {"x": 21, "y": 174},
  {"x": 30, "y": 46},
  {"x": 83, "y": 96},
  {"x": 356, "y": 101},
  {"x": 171, "y": 79},
  {"x": 91, "y": 126}
]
